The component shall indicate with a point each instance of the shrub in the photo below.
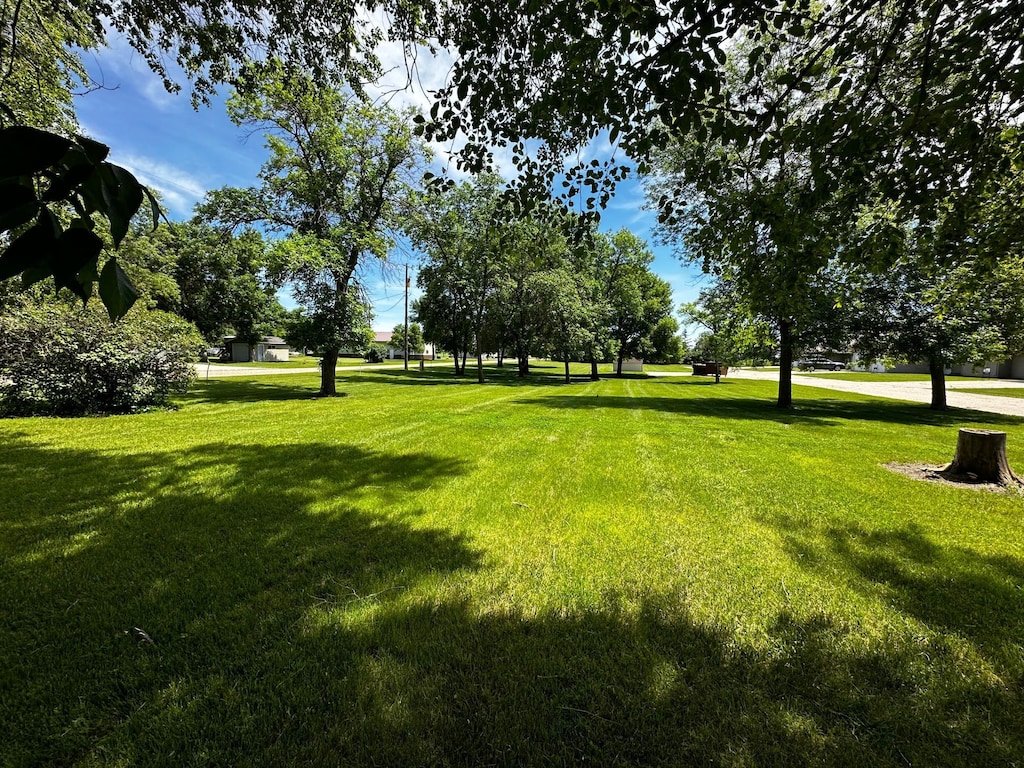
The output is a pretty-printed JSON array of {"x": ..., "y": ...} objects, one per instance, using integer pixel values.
[
  {"x": 65, "y": 360},
  {"x": 377, "y": 353}
]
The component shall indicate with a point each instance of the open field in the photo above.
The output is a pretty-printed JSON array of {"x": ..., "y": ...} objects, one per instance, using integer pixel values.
[{"x": 429, "y": 572}]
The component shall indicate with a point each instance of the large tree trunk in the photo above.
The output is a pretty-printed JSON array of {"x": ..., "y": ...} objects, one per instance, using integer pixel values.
[
  {"x": 329, "y": 374},
  {"x": 981, "y": 453},
  {"x": 618, "y": 367},
  {"x": 937, "y": 372},
  {"x": 785, "y": 365},
  {"x": 593, "y": 368},
  {"x": 524, "y": 365},
  {"x": 566, "y": 353}
]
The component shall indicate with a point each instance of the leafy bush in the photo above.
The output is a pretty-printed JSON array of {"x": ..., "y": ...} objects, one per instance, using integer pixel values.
[
  {"x": 377, "y": 353},
  {"x": 65, "y": 360}
]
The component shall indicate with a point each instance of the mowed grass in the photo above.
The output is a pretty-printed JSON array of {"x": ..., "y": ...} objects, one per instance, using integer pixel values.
[
  {"x": 997, "y": 391},
  {"x": 431, "y": 572}
]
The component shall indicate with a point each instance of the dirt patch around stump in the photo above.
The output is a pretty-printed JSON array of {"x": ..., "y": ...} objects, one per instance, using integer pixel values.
[{"x": 932, "y": 474}]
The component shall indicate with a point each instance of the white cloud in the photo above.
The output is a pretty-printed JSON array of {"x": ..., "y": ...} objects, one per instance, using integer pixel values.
[{"x": 179, "y": 190}]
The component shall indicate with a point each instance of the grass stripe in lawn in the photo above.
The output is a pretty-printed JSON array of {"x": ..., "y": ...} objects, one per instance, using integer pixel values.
[
  {"x": 426, "y": 571},
  {"x": 996, "y": 391}
]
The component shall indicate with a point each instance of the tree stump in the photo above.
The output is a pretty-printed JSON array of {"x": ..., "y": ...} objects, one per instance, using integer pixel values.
[{"x": 981, "y": 454}]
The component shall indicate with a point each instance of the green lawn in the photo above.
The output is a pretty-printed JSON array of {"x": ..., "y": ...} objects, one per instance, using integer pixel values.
[
  {"x": 429, "y": 572},
  {"x": 997, "y": 391}
]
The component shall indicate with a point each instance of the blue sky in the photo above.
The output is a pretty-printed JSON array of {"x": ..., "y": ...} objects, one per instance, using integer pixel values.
[{"x": 184, "y": 153}]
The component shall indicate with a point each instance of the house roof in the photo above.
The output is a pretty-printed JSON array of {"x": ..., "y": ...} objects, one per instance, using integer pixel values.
[
  {"x": 382, "y": 337},
  {"x": 274, "y": 341}
]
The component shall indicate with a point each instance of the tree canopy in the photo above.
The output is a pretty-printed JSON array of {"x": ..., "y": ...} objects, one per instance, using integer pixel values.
[{"x": 338, "y": 172}]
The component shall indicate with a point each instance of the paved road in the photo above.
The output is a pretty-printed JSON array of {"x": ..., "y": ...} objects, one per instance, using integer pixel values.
[{"x": 913, "y": 391}]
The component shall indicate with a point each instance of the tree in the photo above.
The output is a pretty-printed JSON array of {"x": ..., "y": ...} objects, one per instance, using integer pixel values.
[
  {"x": 733, "y": 331},
  {"x": 41, "y": 65},
  {"x": 666, "y": 343},
  {"x": 337, "y": 171},
  {"x": 222, "y": 282},
  {"x": 755, "y": 217},
  {"x": 535, "y": 245},
  {"x": 564, "y": 309},
  {"x": 463, "y": 231},
  {"x": 638, "y": 298},
  {"x": 54, "y": 185},
  {"x": 416, "y": 343},
  {"x": 920, "y": 310}
]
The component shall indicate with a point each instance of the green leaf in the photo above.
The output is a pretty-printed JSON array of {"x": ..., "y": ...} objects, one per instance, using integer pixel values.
[
  {"x": 63, "y": 186},
  {"x": 154, "y": 207},
  {"x": 116, "y": 291},
  {"x": 76, "y": 250},
  {"x": 94, "y": 150},
  {"x": 25, "y": 151},
  {"x": 18, "y": 205},
  {"x": 33, "y": 250},
  {"x": 122, "y": 195}
]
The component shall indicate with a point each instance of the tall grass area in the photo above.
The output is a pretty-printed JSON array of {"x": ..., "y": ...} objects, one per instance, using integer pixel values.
[{"x": 430, "y": 572}]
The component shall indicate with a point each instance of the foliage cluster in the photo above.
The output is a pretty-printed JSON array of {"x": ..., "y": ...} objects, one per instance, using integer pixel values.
[
  {"x": 63, "y": 360},
  {"x": 497, "y": 280}
]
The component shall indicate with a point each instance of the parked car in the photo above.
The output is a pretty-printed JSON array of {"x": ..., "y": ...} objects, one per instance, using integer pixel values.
[{"x": 819, "y": 364}]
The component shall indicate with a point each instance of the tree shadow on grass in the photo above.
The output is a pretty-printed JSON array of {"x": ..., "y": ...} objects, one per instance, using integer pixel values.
[
  {"x": 252, "y": 605},
  {"x": 500, "y": 377},
  {"x": 826, "y": 412},
  {"x": 133, "y": 574},
  {"x": 247, "y": 390},
  {"x": 447, "y": 685},
  {"x": 953, "y": 590}
]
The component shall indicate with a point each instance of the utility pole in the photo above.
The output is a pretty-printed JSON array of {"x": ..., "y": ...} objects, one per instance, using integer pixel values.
[{"x": 407, "y": 317}]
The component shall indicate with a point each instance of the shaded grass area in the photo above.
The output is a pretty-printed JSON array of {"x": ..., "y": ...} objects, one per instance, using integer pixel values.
[
  {"x": 628, "y": 572},
  {"x": 996, "y": 391}
]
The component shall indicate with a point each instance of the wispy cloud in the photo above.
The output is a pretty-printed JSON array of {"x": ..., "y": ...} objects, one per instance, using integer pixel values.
[
  {"x": 121, "y": 65},
  {"x": 179, "y": 189}
]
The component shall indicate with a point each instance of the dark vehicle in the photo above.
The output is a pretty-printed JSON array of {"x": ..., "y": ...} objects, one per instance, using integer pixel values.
[{"x": 819, "y": 364}]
